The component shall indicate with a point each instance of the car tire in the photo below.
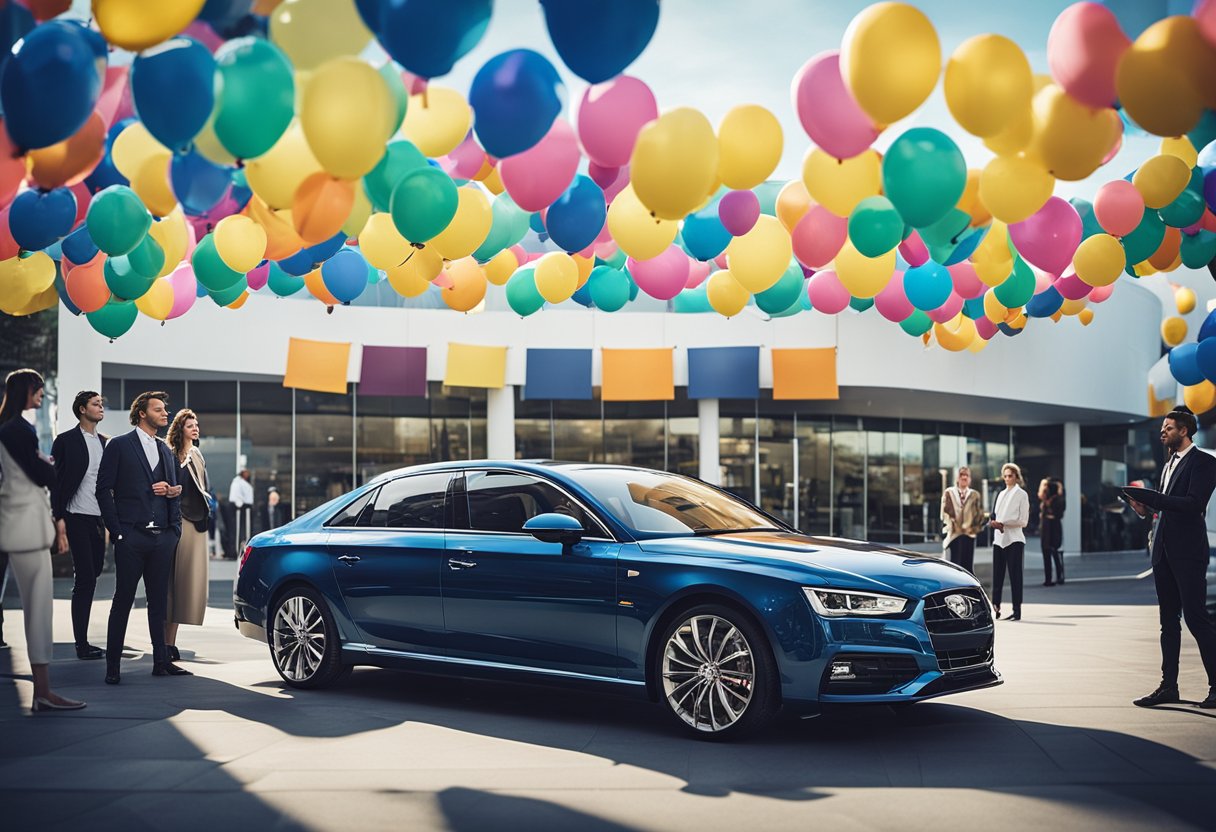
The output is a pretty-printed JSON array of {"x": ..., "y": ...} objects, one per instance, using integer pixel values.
[
  {"x": 715, "y": 673},
  {"x": 303, "y": 640}
]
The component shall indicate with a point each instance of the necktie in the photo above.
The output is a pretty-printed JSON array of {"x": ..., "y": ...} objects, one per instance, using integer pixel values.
[{"x": 1169, "y": 471}]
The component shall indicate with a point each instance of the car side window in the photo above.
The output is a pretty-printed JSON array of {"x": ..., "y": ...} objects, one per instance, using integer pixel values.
[
  {"x": 415, "y": 502},
  {"x": 502, "y": 501},
  {"x": 349, "y": 516}
]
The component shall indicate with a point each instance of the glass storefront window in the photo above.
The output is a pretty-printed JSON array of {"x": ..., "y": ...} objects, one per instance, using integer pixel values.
[
  {"x": 458, "y": 422},
  {"x": 533, "y": 428},
  {"x": 814, "y": 476},
  {"x": 635, "y": 433},
  {"x": 683, "y": 434},
  {"x": 737, "y": 447},
  {"x": 849, "y": 478},
  {"x": 578, "y": 431},
  {"x": 324, "y": 448},
  {"x": 391, "y": 432},
  {"x": 215, "y": 404},
  {"x": 776, "y": 464},
  {"x": 882, "y": 485},
  {"x": 266, "y": 443},
  {"x": 919, "y": 515}
]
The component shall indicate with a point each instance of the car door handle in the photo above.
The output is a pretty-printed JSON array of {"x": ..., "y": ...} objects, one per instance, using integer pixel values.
[
  {"x": 350, "y": 558},
  {"x": 456, "y": 565}
]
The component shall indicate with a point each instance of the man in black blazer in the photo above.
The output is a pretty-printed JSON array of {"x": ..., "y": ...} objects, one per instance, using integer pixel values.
[
  {"x": 1180, "y": 553},
  {"x": 138, "y": 495},
  {"x": 77, "y": 454}
]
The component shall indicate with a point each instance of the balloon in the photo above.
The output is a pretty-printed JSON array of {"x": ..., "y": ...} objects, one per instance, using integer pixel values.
[
  {"x": 1050, "y": 237},
  {"x": 675, "y": 163},
  {"x": 1083, "y": 51},
  {"x": 927, "y": 287},
  {"x": 759, "y": 258},
  {"x": 556, "y": 276},
  {"x": 704, "y": 235},
  {"x": 423, "y": 203},
  {"x": 312, "y": 32},
  {"x": 147, "y": 258},
  {"x": 892, "y": 302},
  {"x": 948, "y": 311},
  {"x": 1187, "y": 208},
  {"x": 235, "y": 295},
  {"x": 610, "y": 115},
  {"x": 78, "y": 247},
  {"x": 1173, "y": 331},
  {"x": 818, "y": 236},
  {"x": 382, "y": 244},
  {"x": 399, "y": 158},
  {"x": 123, "y": 280},
  {"x": 346, "y": 114},
  {"x": 1164, "y": 78},
  {"x": 1165, "y": 255},
  {"x": 923, "y": 174},
  {"x": 1013, "y": 188},
  {"x": 1198, "y": 250},
  {"x": 468, "y": 285},
  {"x": 890, "y": 58},
  {"x": 875, "y": 227},
  {"x": 134, "y": 147},
  {"x": 209, "y": 269},
  {"x": 916, "y": 324},
  {"x": 157, "y": 302},
  {"x": 1200, "y": 398},
  {"x": 1205, "y": 355},
  {"x": 829, "y": 114},
  {"x": 609, "y": 288},
  {"x": 576, "y": 218},
  {"x": 1145, "y": 238},
  {"x": 38, "y": 218},
  {"x": 240, "y": 242},
  {"x": 413, "y": 277},
  {"x": 782, "y": 294},
  {"x": 1161, "y": 179},
  {"x": 134, "y": 25},
  {"x": 540, "y": 174},
  {"x": 321, "y": 207},
  {"x": 1181, "y": 147},
  {"x": 639, "y": 234},
  {"x": 749, "y": 146},
  {"x": 826, "y": 293},
  {"x": 256, "y": 100},
  {"x": 49, "y": 85},
  {"x": 967, "y": 283},
  {"x": 1018, "y": 288},
  {"x": 863, "y": 276},
  {"x": 1118, "y": 207},
  {"x": 1044, "y": 304},
  {"x": 501, "y": 267},
  {"x": 987, "y": 83},
  {"x": 437, "y": 121},
  {"x": 282, "y": 283},
  {"x": 914, "y": 250},
  {"x": 117, "y": 220},
  {"x": 522, "y": 295},
  {"x": 197, "y": 183},
  {"x": 509, "y": 225},
  {"x": 738, "y": 212},
  {"x": 1184, "y": 365},
  {"x": 725, "y": 294},
  {"x": 469, "y": 226},
  {"x": 661, "y": 277},
  {"x": 113, "y": 319},
  {"x": 838, "y": 185},
  {"x": 598, "y": 39},
  {"x": 344, "y": 275},
  {"x": 172, "y": 86},
  {"x": 428, "y": 37},
  {"x": 1070, "y": 139},
  {"x": 69, "y": 161},
  {"x": 86, "y": 286},
  {"x": 151, "y": 184},
  {"x": 516, "y": 95},
  {"x": 793, "y": 202}
]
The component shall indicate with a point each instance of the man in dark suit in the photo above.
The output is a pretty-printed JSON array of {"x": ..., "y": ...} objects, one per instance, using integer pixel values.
[
  {"x": 138, "y": 494},
  {"x": 77, "y": 454},
  {"x": 1180, "y": 553}
]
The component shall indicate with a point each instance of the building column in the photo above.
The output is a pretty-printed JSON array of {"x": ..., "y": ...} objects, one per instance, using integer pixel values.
[
  {"x": 1072, "y": 487},
  {"x": 79, "y": 367},
  {"x": 500, "y": 422},
  {"x": 709, "y": 466}
]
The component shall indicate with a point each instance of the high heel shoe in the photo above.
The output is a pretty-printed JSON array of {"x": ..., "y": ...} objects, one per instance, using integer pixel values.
[
  {"x": 41, "y": 704},
  {"x": 174, "y": 655}
]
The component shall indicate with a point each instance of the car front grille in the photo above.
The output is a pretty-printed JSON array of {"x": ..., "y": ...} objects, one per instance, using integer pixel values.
[
  {"x": 939, "y": 618},
  {"x": 962, "y": 644},
  {"x": 962, "y": 661}
]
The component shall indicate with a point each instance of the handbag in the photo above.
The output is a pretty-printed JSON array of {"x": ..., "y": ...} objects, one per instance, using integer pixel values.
[{"x": 25, "y": 511}]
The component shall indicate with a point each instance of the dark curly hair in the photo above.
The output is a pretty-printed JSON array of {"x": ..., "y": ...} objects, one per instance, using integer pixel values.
[
  {"x": 140, "y": 405},
  {"x": 177, "y": 431}
]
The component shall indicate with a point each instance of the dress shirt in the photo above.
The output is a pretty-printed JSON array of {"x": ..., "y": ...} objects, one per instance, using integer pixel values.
[
  {"x": 1172, "y": 465},
  {"x": 84, "y": 501},
  {"x": 240, "y": 493},
  {"x": 1013, "y": 510},
  {"x": 151, "y": 450}
]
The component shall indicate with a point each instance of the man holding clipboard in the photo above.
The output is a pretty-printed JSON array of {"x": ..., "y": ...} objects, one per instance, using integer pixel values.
[{"x": 1180, "y": 552}]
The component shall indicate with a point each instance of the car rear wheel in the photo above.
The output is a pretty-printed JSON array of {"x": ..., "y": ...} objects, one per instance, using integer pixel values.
[
  {"x": 717, "y": 676},
  {"x": 304, "y": 641}
]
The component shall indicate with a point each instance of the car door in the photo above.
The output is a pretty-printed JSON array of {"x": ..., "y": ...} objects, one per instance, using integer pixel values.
[
  {"x": 387, "y": 562},
  {"x": 509, "y": 598}
]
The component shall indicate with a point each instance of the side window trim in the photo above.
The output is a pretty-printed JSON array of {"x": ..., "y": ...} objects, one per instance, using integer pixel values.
[
  {"x": 370, "y": 507},
  {"x": 605, "y": 533},
  {"x": 367, "y": 498}
]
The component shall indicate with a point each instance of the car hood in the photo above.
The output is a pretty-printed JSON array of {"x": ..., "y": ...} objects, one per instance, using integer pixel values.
[{"x": 823, "y": 561}]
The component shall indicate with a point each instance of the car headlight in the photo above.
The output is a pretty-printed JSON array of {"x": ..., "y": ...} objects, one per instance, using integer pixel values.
[{"x": 834, "y": 603}]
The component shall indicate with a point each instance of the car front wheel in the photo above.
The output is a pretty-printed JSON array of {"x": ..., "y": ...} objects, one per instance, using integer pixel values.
[{"x": 304, "y": 641}]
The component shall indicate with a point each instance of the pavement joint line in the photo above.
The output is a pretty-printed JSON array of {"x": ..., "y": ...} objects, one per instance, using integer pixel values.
[{"x": 1138, "y": 577}]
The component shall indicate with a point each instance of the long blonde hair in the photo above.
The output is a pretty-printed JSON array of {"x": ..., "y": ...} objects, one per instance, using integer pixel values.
[{"x": 177, "y": 431}]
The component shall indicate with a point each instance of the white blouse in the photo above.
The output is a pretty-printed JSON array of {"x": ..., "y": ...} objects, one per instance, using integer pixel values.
[{"x": 1013, "y": 510}]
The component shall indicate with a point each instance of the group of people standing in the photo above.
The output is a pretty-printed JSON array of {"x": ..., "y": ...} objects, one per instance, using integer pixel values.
[{"x": 148, "y": 494}]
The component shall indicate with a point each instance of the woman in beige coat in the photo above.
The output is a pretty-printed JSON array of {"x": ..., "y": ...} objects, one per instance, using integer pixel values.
[
  {"x": 963, "y": 517},
  {"x": 188, "y": 588}
]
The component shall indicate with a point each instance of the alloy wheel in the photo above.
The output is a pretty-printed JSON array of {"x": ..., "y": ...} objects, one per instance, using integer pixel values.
[
  {"x": 708, "y": 673},
  {"x": 299, "y": 638}
]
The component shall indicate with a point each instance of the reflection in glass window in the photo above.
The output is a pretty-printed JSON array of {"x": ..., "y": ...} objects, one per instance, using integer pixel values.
[
  {"x": 410, "y": 503},
  {"x": 849, "y": 478},
  {"x": 653, "y": 502},
  {"x": 349, "y": 516},
  {"x": 393, "y": 432},
  {"x": 635, "y": 434},
  {"x": 578, "y": 431},
  {"x": 814, "y": 474},
  {"x": 502, "y": 501}
]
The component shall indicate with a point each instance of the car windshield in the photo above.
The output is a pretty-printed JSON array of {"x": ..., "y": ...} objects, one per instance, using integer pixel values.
[{"x": 652, "y": 502}]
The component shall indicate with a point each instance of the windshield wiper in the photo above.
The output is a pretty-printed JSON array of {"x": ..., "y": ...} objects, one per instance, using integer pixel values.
[{"x": 711, "y": 532}]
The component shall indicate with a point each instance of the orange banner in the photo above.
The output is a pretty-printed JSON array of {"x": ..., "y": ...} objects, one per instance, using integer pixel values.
[
  {"x": 805, "y": 374},
  {"x": 638, "y": 375},
  {"x": 317, "y": 365}
]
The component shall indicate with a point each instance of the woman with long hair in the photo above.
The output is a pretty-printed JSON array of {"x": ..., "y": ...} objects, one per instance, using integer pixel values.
[
  {"x": 1051, "y": 530},
  {"x": 1009, "y": 518},
  {"x": 188, "y": 586},
  {"x": 27, "y": 530}
]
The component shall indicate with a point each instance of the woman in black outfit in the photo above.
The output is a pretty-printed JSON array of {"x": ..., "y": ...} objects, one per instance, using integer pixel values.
[{"x": 1051, "y": 529}]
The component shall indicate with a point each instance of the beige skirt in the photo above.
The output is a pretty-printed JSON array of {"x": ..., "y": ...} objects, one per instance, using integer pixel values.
[{"x": 188, "y": 588}]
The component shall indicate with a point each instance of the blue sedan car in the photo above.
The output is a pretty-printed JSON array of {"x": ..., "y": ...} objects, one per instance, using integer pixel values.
[{"x": 623, "y": 577}]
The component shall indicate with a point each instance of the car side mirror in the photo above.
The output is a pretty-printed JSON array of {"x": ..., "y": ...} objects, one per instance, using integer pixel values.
[{"x": 555, "y": 528}]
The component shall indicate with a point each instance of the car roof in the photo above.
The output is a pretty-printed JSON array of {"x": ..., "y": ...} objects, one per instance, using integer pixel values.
[{"x": 533, "y": 465}]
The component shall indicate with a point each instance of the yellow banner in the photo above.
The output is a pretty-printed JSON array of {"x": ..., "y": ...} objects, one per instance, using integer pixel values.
[
  {"x": 638, "y": 375},
  {"x": 317, "y": 365},
  {"x": 475, "y": 366},
  {"x": 805, "y": 374}
]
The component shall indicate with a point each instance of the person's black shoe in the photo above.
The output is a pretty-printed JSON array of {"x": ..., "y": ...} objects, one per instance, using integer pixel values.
[
  {"x": 1163, "y": 695},
  {"x": 169, "y": 669},
  {"x": 113, "y": 677},
  {"x": 174, "y": 656},
  {"x": 1048, "y": 583},
  {"x": 1210, "y": 702},
  {"x": 87, "y": 652},
  {"x": 1014, "y": 616}
]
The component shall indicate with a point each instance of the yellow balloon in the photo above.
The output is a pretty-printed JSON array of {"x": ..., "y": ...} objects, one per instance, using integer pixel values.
[
  {"x": 970, "y": 200},
  {"x": 1181, "y": 147},
  {"x": 500, "y": 267},
  {"x": 469, "y": 228},
  {"x": 240, "y": 242},
  {"x": 359, "y": 214},
  {"x": 890, "y": 58},
  {"x": 133, "y": 147},
  {"x": 1016, "y": 135},
  {"x": 468, "y": 285},
  {"x": 585, "y": 265},
  {"x": 839, "y": 185},
  {"x": 556, "y": 276},
  {"x": 988, "y": 84},
  {"x": 675, "y": 163},
  {"x": 725, "y": 295},
  {"x": 1099, "y": 260},
  {"x": 1161, "y": 179},
  {"x": 1016, "y": 319},
  {"x": 1070, "y": 139},
  {"x": 1013, "y": 188},
  {"x": 208, "y": 145},
  {"x": 23, "y": 279},
  {"x": 1086, "y": 317},
  {"x": 493, "y": 181},
  {"x": 151, "y": 185},
  {"x": 994, "y": 310},
  {"x": 414, "y": 276},
  {"x": 992, "y": 259},
  {"x": 46, "y": 299},
  {"x": 793, "y": 202},
  {"x": 1164, "y": 80},
  {"x": 863, "y": 276},
  {"x": 1144, "y": 269},
  {"x": 157, "y": 302},
  {"x": 347, "y": 111},
  {"x": 173, "y": 238},
  {"x": 977, "y": 344},
  {"x": 749, "y": 146},
  {"x": 136, "y": 24},
  {"x": 437, "y": 120},
  {"x": 1173, "y": 331},
  {"x": 759, "y": 258},
  {"x": 1184, "y": 300},
  {"x": 1073, "y": 307},
  {"x": 957, "y": 335},
  {"x": 382, "y": 244},
  {"x": 313, "y": 31},
  {"x": 1201, "y": 397},
  {"x": 638, "y": 234},
  {"x": 275, "y": 175}
]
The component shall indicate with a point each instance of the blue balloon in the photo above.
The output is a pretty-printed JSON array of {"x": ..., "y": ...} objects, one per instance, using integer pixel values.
[
  {"x": 1208, "y": 328},
  {"x": 345, "y": 275},
  {"x": 582, "y": 296},
  {"x": 50, "y": 86},
  {"x": 1006, "y": 329},
  {"x": 577, "y": 217},
  {"x": 37, "y": 218},
  {"x": 198, "y": 183},
  {"x": 1045, "y": 304},
  {"x": 15, "y": 23},
  {"x": 1184, "y": 364},
  {"x": 106, "y": 174},
  {"x": 224, "y": 12},
  {"x": 967, "y": 246},
  {"x": 704, "y": 235},
  {"x": 61, "y": 288},
  {"x": 516, "y": 96},
  {"x": 973, "y": 308},
  {"x": 598, "y": 39},
  {"x": 536, "y": 222},
  {"x": 1205, "y": 358},
  {"x": 173, "y": 89},
  {"x": 428, "y": 37},
  {"x": 241, "y": 192},
  {"x": 928, "y": 285},
  {"x": 307, "y": 259}
]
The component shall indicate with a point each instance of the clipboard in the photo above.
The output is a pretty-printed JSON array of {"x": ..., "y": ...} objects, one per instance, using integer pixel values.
[{"x": 1140, "y": 495}]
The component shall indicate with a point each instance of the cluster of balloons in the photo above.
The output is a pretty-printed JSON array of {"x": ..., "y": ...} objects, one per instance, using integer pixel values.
[{"x": 248, "y": 146}]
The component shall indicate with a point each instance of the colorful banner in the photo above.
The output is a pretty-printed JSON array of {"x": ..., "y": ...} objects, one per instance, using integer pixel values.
[
  {"x": 470, "y": 365},
  {"x": 317, "y": 365},
  {"x": 638, "y": 375},
  {"x": 393, "y": 371},
  {"x": 805, "y": 374},
  {"x": 724, "y": 373},
  {"x": 558, "y": 374}
]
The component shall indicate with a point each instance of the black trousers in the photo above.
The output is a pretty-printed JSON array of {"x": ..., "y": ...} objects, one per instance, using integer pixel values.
[
  {"x": 1182, "y": 594},
  {"x": 228, "y": 530},
  {"x": 1049, "y": 538},
  {"x": 1011, "y": 558},
  {"x": 141, "y": 555},
  {"x": 87, "y": 541},
  {"x": 962, "y": 552}
]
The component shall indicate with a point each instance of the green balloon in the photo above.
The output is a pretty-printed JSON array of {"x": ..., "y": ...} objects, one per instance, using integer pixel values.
[
  {"x": 875, "y": 227},
  {"x": 946, "y": 235},
  {"x": 256, "y": 96},
  {"x": 117, "y": 220},
  {"x": 124, "y": 281},
  {"x": 1188, "y": 207},
  {"x": 766, "y": 193},
  {"x": 509, "y": 225},
  {"x": 916, "y": 324},
  {"x": 399, "y": 158},
  {"x": 282, "y": 283},
  {"x": 616, "y": 260},
  {"x": 861, "y": 304},
  {"x": 423, "y": 203},
  {"x": 692, "y": 301},
  {"x": 401, "y": 96},
  {"x": 1145, "y": 238},
  {"x": 522, "y": 294},
  {"x": 113, "y": 319},
  {"x": 1018, "y": 287},
  {"x": 793, "y": 309},
  {"x": 923, "y": 174},
  {"x": 778, "y": 297},
  {"x": 226, "y": 296},
  {"x": 147, "y": 258},
  {"x": 209, "y": 269},
  {"x": 1199, "y": 249},
  {"x": 1089, "y": 221},
  {"x": 610, "y": 288}
]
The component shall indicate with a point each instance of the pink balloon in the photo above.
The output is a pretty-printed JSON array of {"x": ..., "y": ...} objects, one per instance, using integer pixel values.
[
  {"x": 828, "y": 113},
  {"x": 827, "y": 294},
  {"x": 1049, "y": 238},
  {"x": 738, "y": 211},
  {"x": 698, "y": 270},
  {"x": 720, "y": 261},
  {"x": 891, "y": 302},
  {"x": 946, "y": 312},
  {"x": 1118, "y": 144},
  {"x": 985, "y": 328},
  {"x": 601, "y": 175},
  {"x": 539, "y": 175},
  {"x": 1083, "y": 51},
  {"x": 1072, "y": 287},
  {"x": 1042, "y": 280},
  {"x": 609, "y": 118},
  {"x": 1118, "y": 207},
  {"x": 8, "y": 246},
  {"x": 465, "y": 161},
  {"x": 1205, "y": 15},
  {"x": 521, "y": 255},
  {"x": 204, "y": 34},
  {"x": 818, "y": 236},
  {"x": 258, "y": 277},
  {"x": 83, "y": 197},
  {"x": 619, "y": 184},
  {"x": 914, "y": 251},
  {"x": 185, "y": 290},
  {"x": 1101, "y": 293},
  {"x": 661, "y": 277},
  {"x": 967, "y": 284}
]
